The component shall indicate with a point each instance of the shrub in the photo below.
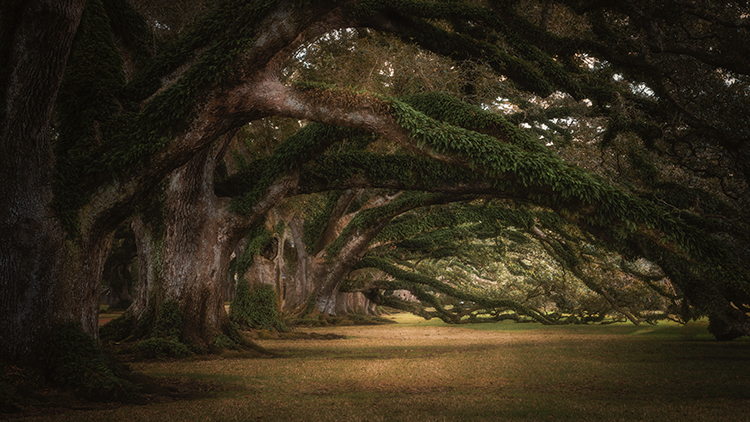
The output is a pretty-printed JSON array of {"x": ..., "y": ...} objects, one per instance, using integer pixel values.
[
  {"x": 256, "y": 309},
  {"x": 117, "y": 329},
  {"x": 224, "y": 342},
  {"x": 168, "y": 321},
  {"x": 77, "y": 362},
  {"x": 156, "y": 348}
]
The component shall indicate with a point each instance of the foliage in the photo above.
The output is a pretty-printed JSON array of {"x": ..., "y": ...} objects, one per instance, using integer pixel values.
[
  {"x": 78, "y": 363},
  {"x": 257, "y": 308},
  {"x": 158, "y": 347},
  {"x": 94, "y": 88},
  {"x": 317, "y": 220},
  {"x": 163, "y": 329},
  {"x": 617, "y": 123},
  {"x": 118, "y": 329},
  {"x": 252, "y": 180},
  {"x": 473, "y": 262},
  {"x": 258, "y": 237},
  {"x": 223, "y": 341},
  {"x": 168, "y": 321}
]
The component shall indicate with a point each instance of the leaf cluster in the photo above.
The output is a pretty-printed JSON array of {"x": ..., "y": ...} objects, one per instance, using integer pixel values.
[{"x": 78, "y": 363}]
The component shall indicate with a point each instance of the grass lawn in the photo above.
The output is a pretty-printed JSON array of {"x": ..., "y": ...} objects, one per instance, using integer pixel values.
[{"x": 420, "y": 370}]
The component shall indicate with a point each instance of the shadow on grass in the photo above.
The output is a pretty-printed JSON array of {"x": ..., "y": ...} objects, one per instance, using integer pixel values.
[{"x": 417, "y": 370}]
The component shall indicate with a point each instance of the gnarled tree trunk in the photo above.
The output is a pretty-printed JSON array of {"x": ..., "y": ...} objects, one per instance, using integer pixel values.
[
  {"x": 185, "y": 246},
  {"x": 39, "y": 265},
  {"x": 298, "y": 276},
  {"x": 185, "y": 241}
]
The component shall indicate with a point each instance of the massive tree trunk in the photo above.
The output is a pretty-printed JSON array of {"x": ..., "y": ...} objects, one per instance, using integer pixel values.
[
  {"x": 36, "y": 257},
  {"x": 49, "y": 273},
  {"x": 184, "y": 249},
  {"x": 186, "y": 241}
]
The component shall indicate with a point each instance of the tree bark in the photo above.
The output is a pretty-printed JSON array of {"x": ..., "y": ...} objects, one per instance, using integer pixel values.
[
  {"x": 34, "y": 251},
  {"x": 298, "y": 276},
  {"x": 185, "y": 248}
]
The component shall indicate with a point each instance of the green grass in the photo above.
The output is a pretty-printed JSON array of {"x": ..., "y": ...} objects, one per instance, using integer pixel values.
[{"x": 420, "y": 370}]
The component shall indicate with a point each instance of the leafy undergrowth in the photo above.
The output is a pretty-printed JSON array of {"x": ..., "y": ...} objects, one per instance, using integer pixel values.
[
  {"x": 426, "y": 370},
  {"x": 27, "y": 393}
]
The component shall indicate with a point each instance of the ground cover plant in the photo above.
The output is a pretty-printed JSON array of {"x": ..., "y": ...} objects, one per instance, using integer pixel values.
[{"x": 428, "y": 370}]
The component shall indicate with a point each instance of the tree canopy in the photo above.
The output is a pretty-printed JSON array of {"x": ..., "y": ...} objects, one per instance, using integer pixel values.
[{"x": 569, "y": 125}]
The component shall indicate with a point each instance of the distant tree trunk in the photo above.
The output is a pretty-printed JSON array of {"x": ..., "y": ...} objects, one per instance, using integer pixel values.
[
  {"x": 330, "y": 271},
  {"x": 119, "y": 277},
  {"x": 287, "y": 268},
  {"x": 299, "y": 277},
  {"x": 296, "y": 284},
  {"x": 43, "y": 275}
]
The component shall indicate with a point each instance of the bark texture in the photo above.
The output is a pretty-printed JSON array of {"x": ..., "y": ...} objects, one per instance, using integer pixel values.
[
  {"x": 34, "y": 251},
  {"x": 186, "y": 246},
  {"x": 298, "y": 276}
]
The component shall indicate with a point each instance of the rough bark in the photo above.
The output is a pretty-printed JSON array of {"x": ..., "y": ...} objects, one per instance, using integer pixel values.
[
  {"x": 298, "y": 276},
  {"x": 34, "y": 252},
  {"x": 47, "y": 276},
  {"x": 185, "y": 252},
  {"x": 329, "y": 272},
  {"x": 50, "y": 275},
  {"x": 287, "y": 269},
  {"x": 292, "y": 271}
]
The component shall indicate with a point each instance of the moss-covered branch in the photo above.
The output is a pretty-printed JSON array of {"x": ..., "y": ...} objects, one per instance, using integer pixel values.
[{"x": 445, "y": 288}]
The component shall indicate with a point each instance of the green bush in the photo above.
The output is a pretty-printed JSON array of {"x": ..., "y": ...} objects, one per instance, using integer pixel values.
[
  {"x": 223, "y": 341},
  {"x": 256, "y": 309},
  {"x": 10, "y": 400},
  {"x": 156, "y": 348},
  {"x": 117, "y": 329},
  {"x": 77, "y": 362},
  {"x": 168, "y": 322}
]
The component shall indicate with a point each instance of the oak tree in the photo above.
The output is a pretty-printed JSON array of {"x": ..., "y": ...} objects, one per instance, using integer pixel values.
[{"x": 658, "y": 86}]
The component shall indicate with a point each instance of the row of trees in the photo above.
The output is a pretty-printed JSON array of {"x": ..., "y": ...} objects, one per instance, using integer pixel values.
[{"x": 611, "y": 137}]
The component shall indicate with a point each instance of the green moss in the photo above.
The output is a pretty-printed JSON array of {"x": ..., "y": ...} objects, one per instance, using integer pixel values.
[
  {"x": 450, "y": 110},
  {"x": 93, "y": 77},
  {"x": 78, "y": 363},
  {"x": 409, "y": 172},
  {"x": 258, "y": 237},
  {"x": 258, "y": 308},
  {"x": 410, "y": 228},
  {"x": 316, "y": 221},
  {"x": 223, "y": 342},
  {"x": 157, "y": 348},
  {"x": 371, "y": 217},
  {"x": 168, "y": 321},
  {"x": 253, "y": 180},
  {"x": 162, "y": 328},
  {"x": 131, "y": 29},
  {"x": 103, "y": 133}
]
